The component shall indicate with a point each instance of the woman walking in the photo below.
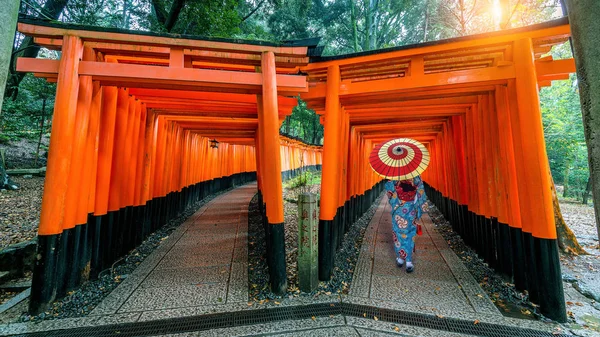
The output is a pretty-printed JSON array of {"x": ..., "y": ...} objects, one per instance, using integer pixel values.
[
  {"x": 402, "y": 160},
  {"x": 408, "y": 201}
]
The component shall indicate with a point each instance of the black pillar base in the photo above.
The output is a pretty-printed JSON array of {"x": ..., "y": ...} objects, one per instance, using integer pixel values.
[
  {"x": 325, "y": 249},
  {"x": 43, "y": 284},
  {"x": 552, "y": 298},
  {"x": 518, "y": 253},
  {"x": 531, "y": 268},
  {"x": 277, "y": 269}
]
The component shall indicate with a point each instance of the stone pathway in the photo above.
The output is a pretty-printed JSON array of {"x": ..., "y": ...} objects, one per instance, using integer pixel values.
[
  {"x": 202, "y": 266},
  {"x": 440, "y": 282},
  {"x": 204, "y": 263}
]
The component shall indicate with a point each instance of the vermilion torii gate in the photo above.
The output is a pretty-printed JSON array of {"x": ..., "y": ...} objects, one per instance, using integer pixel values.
[
  {"x": 474, "y": 103},
  {"x": 134, "y": 140},
  {"x": 135, "y": 112}
]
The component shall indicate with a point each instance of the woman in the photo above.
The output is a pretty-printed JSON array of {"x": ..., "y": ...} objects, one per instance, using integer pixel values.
[{"x": 408, "y": 201}]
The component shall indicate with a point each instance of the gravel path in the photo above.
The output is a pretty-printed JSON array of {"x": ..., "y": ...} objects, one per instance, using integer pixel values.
[
  {"x": 510, "y": 302},
  {"x": 344, "y": 264}
]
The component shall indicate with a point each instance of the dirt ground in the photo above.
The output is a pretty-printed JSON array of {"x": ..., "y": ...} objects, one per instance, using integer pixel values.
[
  {"x": 21, "y": 153},
  {"x": 581, "y": 274},
  {"x": 20, "y": 211}
]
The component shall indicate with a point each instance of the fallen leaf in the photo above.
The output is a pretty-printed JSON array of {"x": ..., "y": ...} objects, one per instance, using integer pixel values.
[
  {"x": 476, "y": 321},
  {"x": 440, "y": 316},
  {"x": 365, "y": 314},
  {"x": 313, "y": 318},
  {"x": 277, "y": 303},
  {"x": 375, "y": 318},
  {"x": 396, "y": 328},
  {"x": 579, "y": 304}
]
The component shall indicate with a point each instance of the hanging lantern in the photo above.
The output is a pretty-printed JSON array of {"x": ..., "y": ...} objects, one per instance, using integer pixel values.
[{"x": 214, "y": 143}]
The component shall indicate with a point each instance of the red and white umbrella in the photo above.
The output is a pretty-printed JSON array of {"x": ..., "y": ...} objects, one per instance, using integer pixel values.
[{"x": 399, "y": 159}]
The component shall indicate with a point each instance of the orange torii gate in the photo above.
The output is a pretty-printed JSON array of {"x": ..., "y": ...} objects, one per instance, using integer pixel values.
[
  {"x": 135, "y": 114},
  {"x": 147, "y": 124},
  {"x": 474, "y": 102}
]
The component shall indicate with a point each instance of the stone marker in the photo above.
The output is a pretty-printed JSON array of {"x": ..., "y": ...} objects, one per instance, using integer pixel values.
[{"x": 308, "y": 242}]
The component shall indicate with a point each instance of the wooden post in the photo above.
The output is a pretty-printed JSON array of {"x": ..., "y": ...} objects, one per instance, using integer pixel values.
[
  {"x": 57, "y": 178},
  {"x": 537, "y": 182},
  {"x": 308, "y": 250},
  {"x": 268, "y": 116},
  {"x": 330, "y": 180}
]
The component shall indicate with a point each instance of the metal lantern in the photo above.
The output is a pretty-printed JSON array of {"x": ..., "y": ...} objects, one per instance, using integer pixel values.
[{"x": 214, "y": 143}]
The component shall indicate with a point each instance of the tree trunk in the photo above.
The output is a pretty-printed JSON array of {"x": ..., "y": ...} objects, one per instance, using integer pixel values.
[
  {"x": 566, "y": 180},
  {"x": 8, "y": 17},
  {"x": 125, "y": 17},
  {"x": 52, "y": 10},
  {"x": 37, "y": 151},
  {"x": 374, "y": 24},
  {"x": 567, "y": 242},
  {"x": 583, "y": 18},
  {"x": 463, "y": 23},
  {"x": 315, "y": 125},
  {"x": 354, "y": 28},
  {"x": 368, "y": 21},
  {"x": 586, "y": 193},
  {"x": 426, "y": 21},
  {"x": 506, "y": 14},
  {"x": 287, "y": 125}
]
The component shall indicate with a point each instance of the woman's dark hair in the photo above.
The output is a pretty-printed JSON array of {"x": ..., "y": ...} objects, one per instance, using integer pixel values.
[{"x": 407, "y": 187}]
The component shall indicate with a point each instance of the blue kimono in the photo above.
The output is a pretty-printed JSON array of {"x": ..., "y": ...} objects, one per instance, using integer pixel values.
[{"x": 404, "y": 217}]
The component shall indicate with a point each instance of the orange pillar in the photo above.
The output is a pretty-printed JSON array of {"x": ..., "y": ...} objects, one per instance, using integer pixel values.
[
  {"x": 268, "y": 118},
  {"x": 537, "y": 173},
  {"x": 330, "y": 179},
  {"x": 57, "y": 176}
]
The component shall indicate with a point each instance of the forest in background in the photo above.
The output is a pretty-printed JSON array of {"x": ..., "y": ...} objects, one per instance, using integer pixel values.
[{"x": 344, "y": 26}]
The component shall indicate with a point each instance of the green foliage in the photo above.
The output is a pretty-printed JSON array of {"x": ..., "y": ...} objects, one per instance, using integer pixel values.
[
  {"x": 22, "y": 117},
  {"x": 563, "y": 132},
  {"x": 304, "y": 179},
  {"x": 303, "y": 123}
]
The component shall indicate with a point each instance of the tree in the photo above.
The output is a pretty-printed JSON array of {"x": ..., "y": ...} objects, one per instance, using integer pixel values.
[
  {"x": 51, "y": 11},
  {"x": 583, "y": 16},
  {"x": 567, "y": 242}
]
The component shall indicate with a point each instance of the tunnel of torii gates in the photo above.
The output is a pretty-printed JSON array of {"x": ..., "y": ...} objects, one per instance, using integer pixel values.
[{"x": 135, "y": 113}]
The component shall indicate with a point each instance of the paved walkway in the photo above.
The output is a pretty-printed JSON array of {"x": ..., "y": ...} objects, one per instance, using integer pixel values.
[
  {"x": 202, "y": 268},
  {"x": 440, "y": 282},
  {"x": 202, "y": 265}
]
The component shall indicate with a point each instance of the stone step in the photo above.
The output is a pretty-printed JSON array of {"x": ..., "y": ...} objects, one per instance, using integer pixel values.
[
  {"x": 4, "y": 276},
  {"x": 15, "y": 300},
  {"x": 15, "y": 286}
]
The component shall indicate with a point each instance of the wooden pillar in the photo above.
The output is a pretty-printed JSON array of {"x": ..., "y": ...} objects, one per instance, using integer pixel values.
[
  {"x": 43, "y": 289},
  {"x": 69, "y": 251},
  {"x": 330, "y": 179},
  {"x": 538, "y": 183},
  {"x": 268, "y": 118}
]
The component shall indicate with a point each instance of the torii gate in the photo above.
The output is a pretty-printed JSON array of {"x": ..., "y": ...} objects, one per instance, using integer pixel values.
[
  {"x": 137, "y": 120},
  {"x": 474, "y": 102}
]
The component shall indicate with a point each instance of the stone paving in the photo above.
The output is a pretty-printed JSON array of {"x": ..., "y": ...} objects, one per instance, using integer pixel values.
[
  {"x": 204, "y": 263},
  {"x": 439, "y": 283},
  {"x": 202, "y": 266}
]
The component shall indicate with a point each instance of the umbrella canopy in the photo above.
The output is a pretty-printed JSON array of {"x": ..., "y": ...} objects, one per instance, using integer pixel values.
[{"x": 399, "y": 159}]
